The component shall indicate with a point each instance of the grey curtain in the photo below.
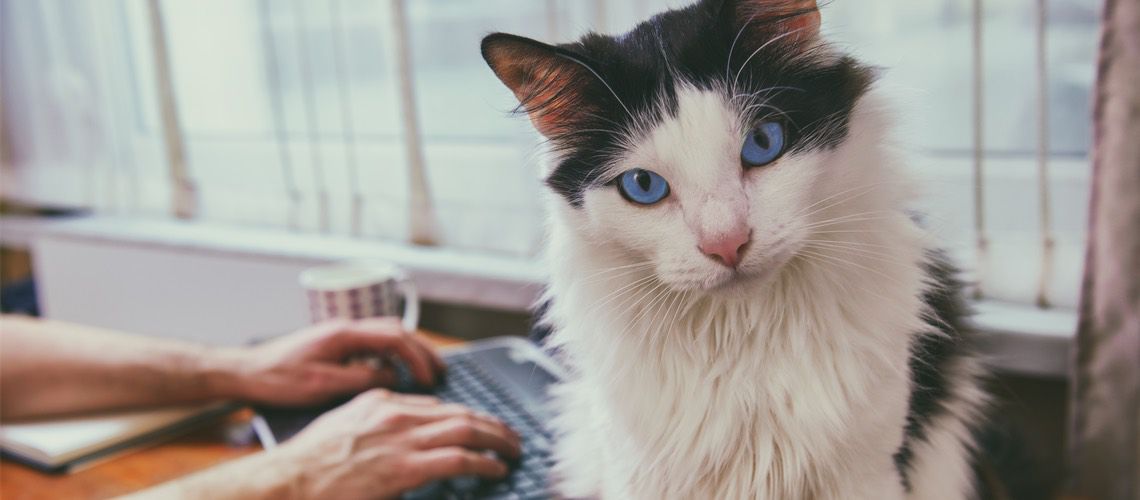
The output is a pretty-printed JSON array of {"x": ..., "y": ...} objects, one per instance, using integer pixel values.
[{"x": 1104, "y": 440}]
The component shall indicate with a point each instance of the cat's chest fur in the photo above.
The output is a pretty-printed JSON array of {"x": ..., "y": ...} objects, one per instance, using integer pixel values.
[{"x": 797, "y": 392}]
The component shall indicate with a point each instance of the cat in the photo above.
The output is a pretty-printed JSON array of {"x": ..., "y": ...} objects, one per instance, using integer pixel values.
[{"x": 746, "y": 305}]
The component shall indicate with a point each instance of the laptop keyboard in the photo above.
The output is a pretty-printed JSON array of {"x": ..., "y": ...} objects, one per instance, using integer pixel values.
[{"x": 471, "y": 385}]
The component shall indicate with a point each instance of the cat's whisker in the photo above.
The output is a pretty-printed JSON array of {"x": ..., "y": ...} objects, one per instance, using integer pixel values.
[
  {"x": 833, "y": 201},
  {"x": 681, "y": 308},
  {"x": 652, "y": 306},
  {"x": 823, "y": 121},
  {"x": 844, "y": 262},
  {"x": 603, "y": 80},
  {"x": 620, "y": 291},
  {"x": 732, "y": 47},
  {"x": 755, "y": 97},
  {"x": 637, "y": 265},
  {"x": 617, "y": 274},
  {"x": 664, "y": 56},
  {"x": 757, "y": 101},
  {"x": 843, "y": 285},
  {"x": 633, "y": 285},
  {"x": 850, "y": 220},
  {"x": 878, "y": 256},
  {"x": 847, "y": 191},
  {"x": 855, "y": 216},
  {"x": 850, "y": 243},
  {"x": 603, "y": 118},
  {"x": 874, "y": 213},
  {"x": 651, "y": 294},
  {"x": 777, "y": 110},
  {"x": 848, "y": 231},
  {"x": 668, "y": 307},
  {"x": 619, "y": 320},
  {"x": 581, "y": 131},
  {"x": 762, "y": 47},
  {"x": 641, "y": 295},
  {"x": 674, "y": 311},
  {"x": 636, "y": 297}
]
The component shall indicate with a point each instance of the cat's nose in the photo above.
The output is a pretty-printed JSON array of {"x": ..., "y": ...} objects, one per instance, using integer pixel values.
[{"x": 727, "y": 248}]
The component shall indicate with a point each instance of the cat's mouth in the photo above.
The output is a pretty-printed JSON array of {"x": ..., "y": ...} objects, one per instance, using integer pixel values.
[
  {"x": 754, "y": 273},
  {"x": 763, "y": 274}
]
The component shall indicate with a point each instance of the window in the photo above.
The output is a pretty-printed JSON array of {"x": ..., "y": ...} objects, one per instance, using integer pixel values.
[
  {"x": 292, "y": 115},
  {"x": 926, "y": 48}
]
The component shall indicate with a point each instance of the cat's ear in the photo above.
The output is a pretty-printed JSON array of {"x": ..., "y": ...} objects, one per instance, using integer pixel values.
[
  {"x": 549, "y": 82},
  {"x": 795, "y": 21}
]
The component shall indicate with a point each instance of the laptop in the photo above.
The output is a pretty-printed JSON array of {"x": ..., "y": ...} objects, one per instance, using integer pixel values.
[{"x": 507, "y": 377}]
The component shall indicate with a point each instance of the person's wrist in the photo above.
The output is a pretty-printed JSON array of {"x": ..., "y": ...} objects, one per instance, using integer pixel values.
[
  {"x": 223, "y": 372},
  {"x": 288, "y": 467},
  {"x": 297, "y": 460},
  {"x": 259, "y": 476}
]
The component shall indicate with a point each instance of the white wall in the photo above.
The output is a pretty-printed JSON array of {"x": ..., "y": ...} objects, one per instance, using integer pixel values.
[
  {"x": 219, "y": 298},
  {"x": 228, "y": 285}
]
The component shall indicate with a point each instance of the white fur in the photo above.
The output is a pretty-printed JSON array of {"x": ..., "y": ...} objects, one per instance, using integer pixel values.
[{"x": 788, "y": 380}]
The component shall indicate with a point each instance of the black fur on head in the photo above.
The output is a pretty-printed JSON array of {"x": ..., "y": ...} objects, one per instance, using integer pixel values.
[{"x": 587, "y": 96}]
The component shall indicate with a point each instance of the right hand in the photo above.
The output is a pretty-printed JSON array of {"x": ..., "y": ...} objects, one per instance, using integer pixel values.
[
  {"x": 382, "y": 444},
  {"x": 308, "y": 366}
]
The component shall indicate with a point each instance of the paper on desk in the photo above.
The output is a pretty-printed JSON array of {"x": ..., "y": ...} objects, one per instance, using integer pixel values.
[{"x": 58, "y": 441}]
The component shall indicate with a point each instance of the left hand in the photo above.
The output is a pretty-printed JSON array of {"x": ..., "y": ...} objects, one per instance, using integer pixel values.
[{"x": 310, "y": 366}]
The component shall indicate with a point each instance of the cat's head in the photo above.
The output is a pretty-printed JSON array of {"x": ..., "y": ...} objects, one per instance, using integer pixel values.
[{"x": 703, "y": 142}]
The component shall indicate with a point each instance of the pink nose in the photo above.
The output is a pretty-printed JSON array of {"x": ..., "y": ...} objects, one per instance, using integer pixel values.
[{"x": 727, "y": 248}]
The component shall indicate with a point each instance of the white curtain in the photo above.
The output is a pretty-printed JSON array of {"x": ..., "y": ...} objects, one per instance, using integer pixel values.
[{"x": 291, "y": 113}]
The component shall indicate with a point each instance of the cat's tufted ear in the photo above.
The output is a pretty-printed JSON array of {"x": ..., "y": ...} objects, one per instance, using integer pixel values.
[
  {"x": 794, "y": 21},
  {"x": 549, "y": 82}
]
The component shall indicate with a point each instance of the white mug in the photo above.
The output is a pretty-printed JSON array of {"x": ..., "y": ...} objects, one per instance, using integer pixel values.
[{"x": 361, "y": 289}]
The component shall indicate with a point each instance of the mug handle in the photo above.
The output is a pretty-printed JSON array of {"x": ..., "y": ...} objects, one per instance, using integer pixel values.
[{"x": 411, "y": 303}]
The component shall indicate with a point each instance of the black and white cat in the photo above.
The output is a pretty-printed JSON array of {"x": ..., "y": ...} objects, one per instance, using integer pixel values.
[{"x": 747, "y": 308}]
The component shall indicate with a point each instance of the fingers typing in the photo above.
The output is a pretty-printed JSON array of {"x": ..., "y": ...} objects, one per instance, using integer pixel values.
[
  {"x": 367, "y": 336},
  {"x": 469, "y": 432},
  {"x": 442, "y": 463}
]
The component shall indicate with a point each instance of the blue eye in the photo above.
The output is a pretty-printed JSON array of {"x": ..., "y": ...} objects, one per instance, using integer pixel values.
[
  {"x": 642, "y": 186},
  {"x": 763, "y": 145}
]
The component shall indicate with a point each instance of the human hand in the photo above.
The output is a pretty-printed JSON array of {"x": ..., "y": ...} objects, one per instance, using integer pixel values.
[
  {"x": 382, "y": 444},
  {"x": 310, "y": 366}
]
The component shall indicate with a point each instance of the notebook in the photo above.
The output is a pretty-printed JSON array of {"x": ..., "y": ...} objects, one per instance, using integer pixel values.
[{"x": 67, "y": 444}]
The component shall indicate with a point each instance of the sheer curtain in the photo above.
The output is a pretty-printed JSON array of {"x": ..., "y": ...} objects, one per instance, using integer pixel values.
[
  {"x": 293, "y": 115},
  {"x": 290, "y": 112},
  {"x": 71, "y": 112}
]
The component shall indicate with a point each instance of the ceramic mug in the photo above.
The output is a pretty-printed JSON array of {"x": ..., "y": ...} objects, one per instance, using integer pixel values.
[{"x": 361, "y": 289}]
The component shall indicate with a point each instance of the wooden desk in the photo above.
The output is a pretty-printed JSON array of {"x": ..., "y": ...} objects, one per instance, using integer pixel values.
[{"x": 203, "y": 448}]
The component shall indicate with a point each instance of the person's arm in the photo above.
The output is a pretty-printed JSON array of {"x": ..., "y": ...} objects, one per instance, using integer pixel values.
[
  {"x": 378, "y": 445},
  {"x": 50, "y": 368}
]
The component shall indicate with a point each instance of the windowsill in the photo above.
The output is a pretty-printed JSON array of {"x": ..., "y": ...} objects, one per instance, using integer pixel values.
[
  {"x": 444, "y": 275},
  {"x": 1016, "y": 338}
]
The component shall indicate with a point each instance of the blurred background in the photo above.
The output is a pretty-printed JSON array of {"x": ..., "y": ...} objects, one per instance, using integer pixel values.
[
  {"x": 214, "y": 126},
  {"x": 168, "y": 166},
  {"x": 290, "y": 114}
]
